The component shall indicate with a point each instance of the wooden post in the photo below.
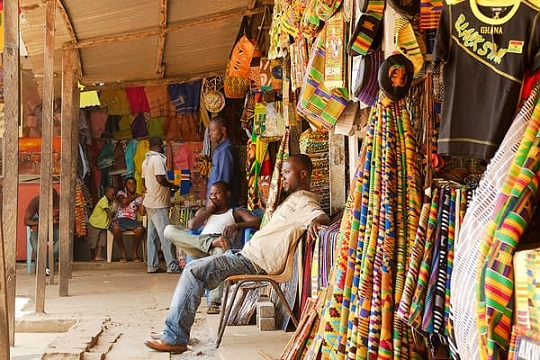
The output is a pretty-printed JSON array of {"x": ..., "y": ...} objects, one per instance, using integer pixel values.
[
  {"x": 336, "y": 160},
  {"x": 4, "y": 324},
  {"x": 46, "y": 155},
  {"x": 74, "y": 163},
  {"x": 66, "y": 184},
  {"x": 11, "y": 162}
]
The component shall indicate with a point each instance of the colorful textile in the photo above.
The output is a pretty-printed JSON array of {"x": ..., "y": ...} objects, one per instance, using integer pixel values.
[
  {"x": 158, "y": 101},
  {"x": 318, "y": 104},
  {"x": 495, "y": 279},
  {"x": 137, "y": 99},
  {"x": 378, "y": 226},
  {"x": 275, "y": 182},
  {"x": 467, "y": 244},
  {"x": 430, "y": 11},
  {"x": 186, "y": 96},
  {"x": 115, "y": 100}
]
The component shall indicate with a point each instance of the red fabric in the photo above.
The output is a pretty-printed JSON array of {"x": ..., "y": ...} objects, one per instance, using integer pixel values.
[
  {"x": 528, "y": 84},
  {"x": 137, "y": 99}
]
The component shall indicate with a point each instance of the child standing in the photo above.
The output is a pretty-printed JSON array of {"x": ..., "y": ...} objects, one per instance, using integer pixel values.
[{"x": 100, "y": 220}]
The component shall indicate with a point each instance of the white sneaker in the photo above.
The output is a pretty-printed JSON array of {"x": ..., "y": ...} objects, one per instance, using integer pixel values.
[{"x": 47, "y": 272}]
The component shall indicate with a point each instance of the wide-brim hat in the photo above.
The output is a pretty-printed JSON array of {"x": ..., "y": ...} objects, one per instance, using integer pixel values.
[
  {"x": 395, "y": 76},
  {"x": 214, "y": 101}
]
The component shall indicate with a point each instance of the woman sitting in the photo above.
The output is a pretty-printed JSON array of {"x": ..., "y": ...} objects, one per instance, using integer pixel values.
[{"x": 125, "y": 218}]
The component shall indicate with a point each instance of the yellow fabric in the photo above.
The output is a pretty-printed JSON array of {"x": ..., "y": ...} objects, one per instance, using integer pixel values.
[
  {"x": 142, "y": 148},
  {"x": 89, "y": 98}
]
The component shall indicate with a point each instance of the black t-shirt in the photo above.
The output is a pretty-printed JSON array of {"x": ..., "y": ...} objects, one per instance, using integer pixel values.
[{"x": 486, "y": 51}]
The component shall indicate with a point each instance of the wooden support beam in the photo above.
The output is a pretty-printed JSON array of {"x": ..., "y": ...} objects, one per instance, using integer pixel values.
[
  {"x": 338, "y": 179},
  {"x": 45, "y": 194},
  {"x": 66, "y": 183},
  {"x": 74, "y": 161},
  {"x": 10, "y": 165},
  {"x": 69, "y": 26},
  {"x": 89, "y": 83},
  {"x": 163, "y": 15},
  {"x": 4, "y": 322},
  {"x": 155, "y": 32}
]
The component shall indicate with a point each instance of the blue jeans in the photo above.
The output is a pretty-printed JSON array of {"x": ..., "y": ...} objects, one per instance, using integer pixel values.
[
  {"x": 196, "y": 246},
  {"x": 158, "y": 219},
  {"x": 199, "y": 274}
]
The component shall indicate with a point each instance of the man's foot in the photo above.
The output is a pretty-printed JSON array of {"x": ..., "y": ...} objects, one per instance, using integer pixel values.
[
  {"x": 175, "y": 271},
  {"x": 123, "y": 260},
  {"x": 213, "y": 309},
  {"x": 156, "y": 271},
  {"x": 160, "y": 345},
  {"x": 99, "y": 259},
  {"x": 155, "y": 335},
  {"x": 137, "y": 260}
]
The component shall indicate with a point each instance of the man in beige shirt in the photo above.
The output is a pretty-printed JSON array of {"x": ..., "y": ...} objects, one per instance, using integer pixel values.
[{"x": 266, "y": 252}]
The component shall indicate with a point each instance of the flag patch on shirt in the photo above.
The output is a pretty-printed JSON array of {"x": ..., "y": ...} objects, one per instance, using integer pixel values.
[{"x": 515, "y": 46}]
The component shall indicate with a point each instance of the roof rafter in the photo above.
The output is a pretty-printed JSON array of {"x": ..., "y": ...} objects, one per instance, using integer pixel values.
[
  {"x": 69, "y": 26},
  {"x": 156, "y": 32},
  {"x": 163, "y": 14}
]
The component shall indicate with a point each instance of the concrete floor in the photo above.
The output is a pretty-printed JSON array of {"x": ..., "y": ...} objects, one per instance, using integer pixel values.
[{"x": 110, "y": 312}]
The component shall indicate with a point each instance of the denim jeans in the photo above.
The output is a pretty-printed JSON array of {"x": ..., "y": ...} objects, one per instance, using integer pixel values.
[
  {"x": 196, "y": 246},
  {"x": 157, "y": 220},
  {"x": 56, "y": 244},
  {"x": 199, "y": 274}
]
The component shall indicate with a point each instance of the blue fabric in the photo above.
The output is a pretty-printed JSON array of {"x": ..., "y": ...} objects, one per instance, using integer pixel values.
[
  {"x": 199, "y": 274},
  {"x": 129, "y": 153},
  {"x": 158, "y": 219},
  {"x": 185, "y": 97},
  {"x": 223, "y": 168}
]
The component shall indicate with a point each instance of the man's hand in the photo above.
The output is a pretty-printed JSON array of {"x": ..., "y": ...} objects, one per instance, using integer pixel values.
[
  {"x": 230, "y": 231},
  {"x": 211, "y": 205},
  {"x": 316, "y": 225}
]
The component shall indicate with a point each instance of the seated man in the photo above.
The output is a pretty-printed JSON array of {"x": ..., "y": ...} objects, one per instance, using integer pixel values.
[
  {"x": 266, "y": 252},
  {"x": 221, "y": 224},
  {"x": 125, "y": 218},
  {"x": 31, "y": 219}
]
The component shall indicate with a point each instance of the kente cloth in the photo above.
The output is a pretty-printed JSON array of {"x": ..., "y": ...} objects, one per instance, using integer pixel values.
[
  {"x": 275, "y": 183},
  {"x": 467, "y": 244},
  {"x": 159, "y": 101},
  {"x": 430, "y": 11},
  {"x": 495, "y": 279},
  {"x": 373, "y": 243},
  {"x": 533, "y": 289},
  {"x": 185, "y": 97},
  {"x": 137, "y": 99},
  {"x": 257, "y": 150},
  {"x": 80, "y": 210},
  {"x": 524, "y": 343},
  {"x": 521, "y": 308},
  {"x": 115, "y": 100}
]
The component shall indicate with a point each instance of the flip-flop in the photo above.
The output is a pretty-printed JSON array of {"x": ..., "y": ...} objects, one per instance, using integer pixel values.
[
  {"x": 123, "y": 260},
  {"x": 137, "y": 260}
]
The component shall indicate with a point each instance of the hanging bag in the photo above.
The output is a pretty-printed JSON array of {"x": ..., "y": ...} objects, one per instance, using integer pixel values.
[{"x": 238, "y": 71}]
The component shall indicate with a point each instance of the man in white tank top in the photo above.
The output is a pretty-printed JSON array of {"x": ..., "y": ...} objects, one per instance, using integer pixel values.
[{"x": 220, "y": 225}]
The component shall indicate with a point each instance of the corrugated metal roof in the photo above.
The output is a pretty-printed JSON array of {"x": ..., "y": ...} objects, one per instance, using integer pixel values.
[{"x": 138, "y": 41}]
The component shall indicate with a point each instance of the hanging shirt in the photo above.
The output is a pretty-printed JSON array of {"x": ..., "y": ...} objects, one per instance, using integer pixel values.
[{"x": 486, "y": 51}]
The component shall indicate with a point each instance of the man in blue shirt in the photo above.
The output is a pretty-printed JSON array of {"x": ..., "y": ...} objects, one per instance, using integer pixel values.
[{"x": 223, "y": 163}]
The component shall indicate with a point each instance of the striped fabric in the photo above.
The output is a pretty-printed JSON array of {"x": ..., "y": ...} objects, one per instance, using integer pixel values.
[
  {"x": 521, "y": 289},
  {"x": 318, "y": 104},
  {"x": 467, "y": 244},
  {"x": 430, "y": 11},
  {"x": 377, "y": 231},
  {"x": 495, "y": 281},
  {"x": 367, "y": 28},
  {"x": 533, "y": 288}
]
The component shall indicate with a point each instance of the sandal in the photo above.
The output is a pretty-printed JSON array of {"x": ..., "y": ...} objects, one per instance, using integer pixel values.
[
  {"x": 137, "y": 260},
  {"x": 123, "y": 260}
]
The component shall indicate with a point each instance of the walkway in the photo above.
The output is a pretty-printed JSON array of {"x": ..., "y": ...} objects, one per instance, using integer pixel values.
[{"x": 110, "y": 312}]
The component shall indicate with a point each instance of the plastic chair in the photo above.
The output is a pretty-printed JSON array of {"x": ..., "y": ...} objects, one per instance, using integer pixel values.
[
  {"x": 110, "y": 241},
  {"x": 273, "y": 280}
]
